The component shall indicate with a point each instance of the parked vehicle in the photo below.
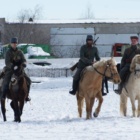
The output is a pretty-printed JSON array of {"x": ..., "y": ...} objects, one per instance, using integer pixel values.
[{"x": 118, "y": 49}]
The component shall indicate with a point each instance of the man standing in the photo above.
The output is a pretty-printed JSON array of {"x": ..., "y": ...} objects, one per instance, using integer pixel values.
[
  {"x": 88, "y": 53},
  {"x": 129, "y": 53},
  {"x": 13, "y": 59}
]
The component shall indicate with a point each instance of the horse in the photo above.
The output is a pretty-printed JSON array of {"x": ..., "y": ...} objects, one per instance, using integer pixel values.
[
  {"x": 18, "y": 91},
  {"x": 131, "y": 89},
  {"x": 90, "y": 85}
]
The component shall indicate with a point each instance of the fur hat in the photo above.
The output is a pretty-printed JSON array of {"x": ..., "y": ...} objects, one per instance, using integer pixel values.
[
  {"x": 89, "y": 37},
  {"x": 134, "y": 37},
  {"x": 14, "y": 40}
]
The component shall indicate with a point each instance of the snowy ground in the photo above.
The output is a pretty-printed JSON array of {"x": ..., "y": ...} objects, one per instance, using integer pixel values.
[{"x": 52, "y": 115}]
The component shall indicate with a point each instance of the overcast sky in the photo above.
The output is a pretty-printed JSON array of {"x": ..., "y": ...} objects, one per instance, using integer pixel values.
[{"x": 72, "y": 9}]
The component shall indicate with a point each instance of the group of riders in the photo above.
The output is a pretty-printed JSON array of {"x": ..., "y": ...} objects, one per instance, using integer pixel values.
[
  {"x": 88, "y": 55},
  {"x": 14, "y": 59}
]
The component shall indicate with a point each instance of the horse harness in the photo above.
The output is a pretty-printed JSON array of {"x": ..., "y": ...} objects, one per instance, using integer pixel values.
[{"x": 103, "y": 74}]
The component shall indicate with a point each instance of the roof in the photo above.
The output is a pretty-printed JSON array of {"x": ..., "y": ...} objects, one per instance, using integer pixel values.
[{"x": 65, "y": 21}]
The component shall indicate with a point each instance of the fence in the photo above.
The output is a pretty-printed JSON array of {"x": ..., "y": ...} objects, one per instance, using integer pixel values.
[{"x": 49, "y": 72}]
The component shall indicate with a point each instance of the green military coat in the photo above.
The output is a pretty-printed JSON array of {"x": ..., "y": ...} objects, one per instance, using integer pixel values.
[
  {"x": 14, "y": 57},
  {"x": 87, "y": 56}
]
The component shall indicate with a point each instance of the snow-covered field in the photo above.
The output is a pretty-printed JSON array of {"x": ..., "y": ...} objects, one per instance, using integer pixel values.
[{"x": 52, "y": 115}]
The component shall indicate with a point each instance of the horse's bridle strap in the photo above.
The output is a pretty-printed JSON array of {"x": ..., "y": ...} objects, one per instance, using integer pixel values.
[
  {"x": 99, "y": 72},
  {"x": 103, "y": 74}
]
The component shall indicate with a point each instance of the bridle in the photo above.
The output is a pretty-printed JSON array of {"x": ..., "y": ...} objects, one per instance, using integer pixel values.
[
  {"x": 17, "y": 75},
  {"x": 136, "y": 70},
  {"x": 107, "y": 67}
]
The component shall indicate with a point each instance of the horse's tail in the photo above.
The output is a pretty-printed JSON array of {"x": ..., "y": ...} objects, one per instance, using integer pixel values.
[{"x": 123, "y": 104}]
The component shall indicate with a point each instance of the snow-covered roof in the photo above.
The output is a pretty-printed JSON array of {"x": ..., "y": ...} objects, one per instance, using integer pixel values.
[{"x": 58, "y": 21}]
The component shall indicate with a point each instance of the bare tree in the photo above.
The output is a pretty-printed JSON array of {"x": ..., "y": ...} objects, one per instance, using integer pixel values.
[
  {"x": 27, "y": 32},
  {"x": 25, "y": 14},
  {"x": 88, "y": 12}
]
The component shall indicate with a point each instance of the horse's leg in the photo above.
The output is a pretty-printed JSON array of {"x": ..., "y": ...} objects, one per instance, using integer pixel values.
[
  {"x": 21, "y": 106},
  {"x": 12, "y": 106},
  {"x": 138, "y": 111},
  {"x": 97, "y": 110},
  {"x": 133, "y": 106},
  {"x": 88, "y": 115},
  {"x": 123, "y": 104},
  {"x": 91, "y": 104},
  {"x": 17, "y": 111},
  {"x": 3, "y": 110},
  {"x": 80, "y": 101}
]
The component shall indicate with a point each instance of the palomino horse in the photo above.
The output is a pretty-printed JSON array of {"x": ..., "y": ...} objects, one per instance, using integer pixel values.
[
  {"x": 132, "y": 88},
  {"x": 18, "y": 91},
  {"x": 91, "y": 83}
]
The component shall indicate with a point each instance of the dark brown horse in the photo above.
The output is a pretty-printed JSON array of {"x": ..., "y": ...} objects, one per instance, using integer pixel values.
[{"x": 18, "y": 91}]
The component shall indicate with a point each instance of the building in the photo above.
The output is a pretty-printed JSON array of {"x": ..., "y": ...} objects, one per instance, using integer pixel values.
[{"x": 66, "y": 37}]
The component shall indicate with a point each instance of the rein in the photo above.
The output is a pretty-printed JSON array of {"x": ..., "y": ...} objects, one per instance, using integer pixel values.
[
  {"x": 18, "y": 75},
  {"x": 103, "y": 74}
]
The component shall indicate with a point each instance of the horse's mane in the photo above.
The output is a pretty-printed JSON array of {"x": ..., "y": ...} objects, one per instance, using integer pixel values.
[
  {"x": 95, "y": 65},
  {"x": 135, "y": 60},
  {"x": 91, "y": 68},
  {"x": 99, "y": 63}
]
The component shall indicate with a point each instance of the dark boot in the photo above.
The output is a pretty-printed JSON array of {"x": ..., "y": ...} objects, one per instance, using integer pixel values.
[
  {"x": 119, "y": 90},
  {"x": 103, "y": 83},
  {"x": 104, "y": 94},
  {"x": 74, "y": 87}
]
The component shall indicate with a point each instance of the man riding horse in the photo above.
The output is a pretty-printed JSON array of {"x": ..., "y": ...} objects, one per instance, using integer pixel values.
[
  {"x": 129, "y": 53},
  {"x": 88, "y": 53},
  {"x": 14, "y": 58}
]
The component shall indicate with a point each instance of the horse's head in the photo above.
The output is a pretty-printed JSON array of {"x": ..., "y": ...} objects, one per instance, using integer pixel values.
[
  {"x": 111, "y": 71},
  {"x": 18, "y": 73},
  {"x": 135, "y": 64}
]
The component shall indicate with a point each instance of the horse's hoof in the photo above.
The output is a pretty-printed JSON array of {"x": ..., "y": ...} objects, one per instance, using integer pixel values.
[
  {"x": 95, "y": 115},
  {"x": 18, "y": 121}
]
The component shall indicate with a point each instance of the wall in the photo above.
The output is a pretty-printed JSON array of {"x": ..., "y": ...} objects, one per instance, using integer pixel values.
[{"x": 66, "y": 38}]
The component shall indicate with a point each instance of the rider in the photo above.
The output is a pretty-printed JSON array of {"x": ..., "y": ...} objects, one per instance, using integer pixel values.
[
  {"x": 129, "y": 53},
  {"x": 87, "y": 54},
  {"x": 13, "y": 58}
]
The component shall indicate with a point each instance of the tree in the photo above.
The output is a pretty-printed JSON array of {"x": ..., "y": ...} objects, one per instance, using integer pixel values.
[
  {"x": 26, "y": 14},
  {"x": 88, "y": 12},
  {"x": 27, "y": 31}
]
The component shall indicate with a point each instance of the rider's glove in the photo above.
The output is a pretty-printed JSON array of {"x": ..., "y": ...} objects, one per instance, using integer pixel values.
[{"x": 15, "y": 67}]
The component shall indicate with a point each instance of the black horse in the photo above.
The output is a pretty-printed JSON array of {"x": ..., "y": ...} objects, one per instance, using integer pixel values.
[{"x": 18, "y": 91}]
